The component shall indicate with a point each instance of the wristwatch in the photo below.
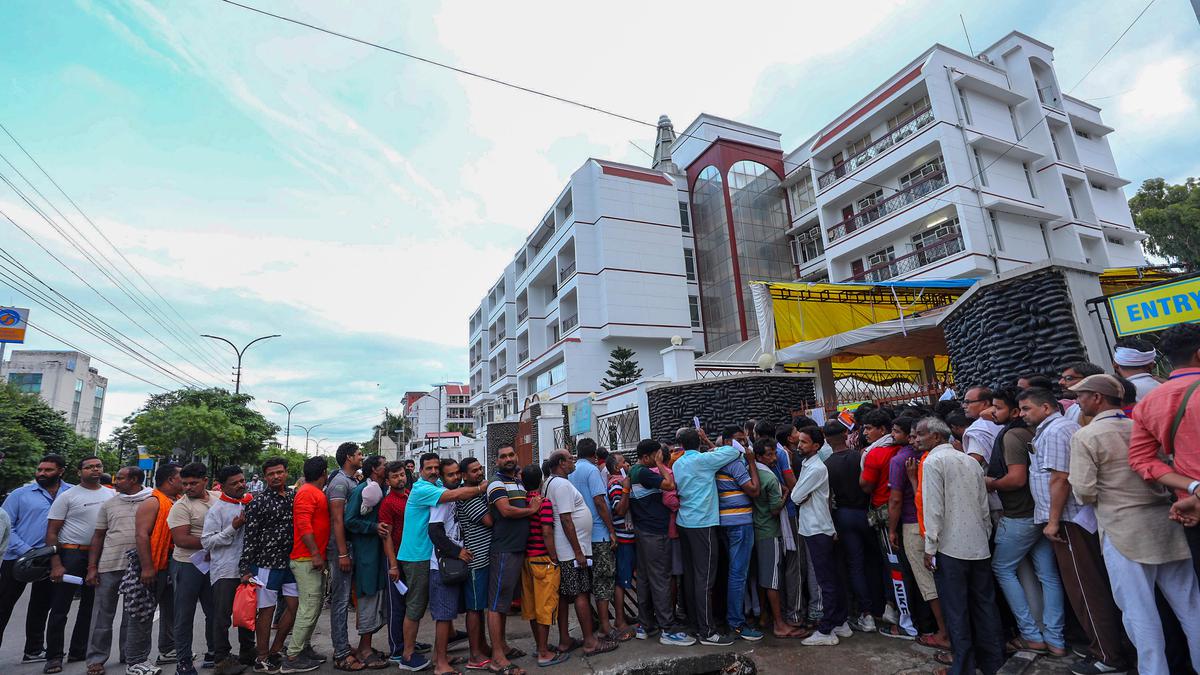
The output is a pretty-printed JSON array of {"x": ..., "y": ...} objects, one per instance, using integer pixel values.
[{"x": 1193, "y": 486}]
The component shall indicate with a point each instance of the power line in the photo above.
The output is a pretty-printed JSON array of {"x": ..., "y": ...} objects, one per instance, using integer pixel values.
[
  {"x": 93, "y": 356},
  {"x": 191, "y": 330},
  {"x": 1113, "y": 45}
]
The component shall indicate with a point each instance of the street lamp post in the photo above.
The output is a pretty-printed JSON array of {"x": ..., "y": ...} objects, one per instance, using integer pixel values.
[
  {"x": 288, "y": 442},
  {"x": 319, "y": 445},
  {"x": 237, "y": 382},
  {"x": 307, "y": 430}
]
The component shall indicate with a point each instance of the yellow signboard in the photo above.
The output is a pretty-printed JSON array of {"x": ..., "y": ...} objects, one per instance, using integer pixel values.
[
  {"x": 1156, "y": 308},
  {"x": 12, "y": 324}
]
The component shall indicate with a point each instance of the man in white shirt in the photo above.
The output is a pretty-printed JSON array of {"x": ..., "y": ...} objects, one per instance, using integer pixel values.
[
  {"x": 1133, "y": 360},
  {"x": 980, "y": 436},
  {"x": 815, "y": 525},
  {"x": 957, "y": 526},
  {"x": 445, "y": 601},
  {"x": 223, "y": 539}
]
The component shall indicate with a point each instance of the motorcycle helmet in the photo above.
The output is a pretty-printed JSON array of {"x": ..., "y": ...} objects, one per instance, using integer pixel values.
[{"x": 34, "y": 565}]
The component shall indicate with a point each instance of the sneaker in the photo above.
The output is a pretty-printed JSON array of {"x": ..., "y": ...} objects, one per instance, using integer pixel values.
[
  {"x": 142, "y": 669},
  {"x": 820, "y": 640},
  {"x": 185, "y": 669},
  {"x": 313, "y": 655},
  {"x": 844, "y": 630},
  {"x": 1096, "y": 667},
  {"x": 1082, "y": 651},
  {"x": 717, "y": 640},
  {"x": 299, "y": 664},
  {"x": 679, "y": 639},
  {"x": 167, "y": 658},
  {"x": 749, "y": 633},
  {"x": 642, "y": 634},
  {"x": 459, "y": 640},
  {"x": 229, "y": 666},
  {"x": 890, "y": 615},
  {"x": 271, "y": 664},
  {"x": 863, "y": 624},
  {"x": 34, "y": 657},
  {"x": 209, "y": 661},
  {"x": 52, "y": 666},
  {"x": 247, "y": 658},
  {"x": 417, "y": 662}
]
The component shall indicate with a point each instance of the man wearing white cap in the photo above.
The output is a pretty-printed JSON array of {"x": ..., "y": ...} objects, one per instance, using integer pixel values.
[{"x": 1134, "y": 361}]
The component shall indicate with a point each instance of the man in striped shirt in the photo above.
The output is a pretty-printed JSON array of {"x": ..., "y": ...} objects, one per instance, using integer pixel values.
[
  {"x": 618, "y": 504},
  {"x": 476, "y": 524},
  {"x": 737, "y": 484}
]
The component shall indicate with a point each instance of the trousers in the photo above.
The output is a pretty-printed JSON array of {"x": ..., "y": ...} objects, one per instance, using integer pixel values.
[
  {"x": 968, "y": 597},
  {"x": 339, "y": 606},
  {"x": 35, "y": 616},
  {"x": 699, "y": 575},
  {"x": 833, "y": 600},
  {"x": 191, "y": 587},
  {"x": 104, "y": 613},
  {"x": 61, "y": 595},
  {"x": 396, "y": 607},
  {"x": 140, "y": 633},
  {"x": 310, "y": 590},
  {"x": 654, "y": 581},
  {"x": 1086, "y": 584},
  {"x": 223, "y": 593}
]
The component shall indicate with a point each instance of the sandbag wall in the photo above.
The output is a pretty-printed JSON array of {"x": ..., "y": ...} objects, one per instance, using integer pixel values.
[
  {"x": 727, "y": 400},
  {"x": 1011, "y": 328}
]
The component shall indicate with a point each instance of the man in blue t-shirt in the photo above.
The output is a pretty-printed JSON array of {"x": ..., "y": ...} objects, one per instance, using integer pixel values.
[
  {"x": 591, "y": 484},
  {"x": 416, "y": 548}
]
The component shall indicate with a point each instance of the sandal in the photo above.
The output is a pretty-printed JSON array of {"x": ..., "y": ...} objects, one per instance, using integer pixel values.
[
  {"x": 576, "y": 643},
  {"x": 377, "y": 661},
  {"x": 604, "y": 647},
  {"x": 932, "y": 643},
  {"x": 944, "y": 658},
  {"x": 514, "y": 653},
  {"x": 482, "y": 665},
  {"x": 1019, "y": 644},
  {"x": 510, "y": 669},
  {"x": 52, "y": 666},
  {"x": 349, "y": 663},
  {"x": 458, "y": 660},
  {"x": 558, "y": 658},
  {"x": 95, "y": 669},
  {"x": 622, "y": 635}
]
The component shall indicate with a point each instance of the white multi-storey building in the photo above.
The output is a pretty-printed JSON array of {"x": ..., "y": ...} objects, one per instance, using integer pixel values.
[
  {"x": 953, "y": 167},
  {"x": 65, "y": 381},
  {"x": 437, "y": 414}
]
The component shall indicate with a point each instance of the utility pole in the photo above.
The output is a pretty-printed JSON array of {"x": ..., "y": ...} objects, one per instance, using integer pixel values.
[
  {"x": 307, "y": 430},
  {"x": 288, "y": 443},
  {"x": 237, "y": 383}
]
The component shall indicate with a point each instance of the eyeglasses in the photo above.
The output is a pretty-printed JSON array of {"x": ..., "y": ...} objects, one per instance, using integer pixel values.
[
  {"x": 979, "y": 400},
  {"x": 1070, "y": 378}
]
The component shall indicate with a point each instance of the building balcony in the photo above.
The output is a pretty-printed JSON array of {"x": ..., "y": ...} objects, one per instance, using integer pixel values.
[
  {"x": 523, "y": 356},
  {"x": 903, "y": 130},
  {"x": 522, "y": 314},
  {"x": 569, "y": 322},
  {"x": 566, "y": 271},
  {"x": 913, "y": 193},
  {"x": 910, "y": 262}
]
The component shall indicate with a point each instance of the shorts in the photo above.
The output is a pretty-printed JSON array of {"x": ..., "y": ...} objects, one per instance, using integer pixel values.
[
  {"x": 445, "y": 600},
  {"x": 369, "y": 614},
  {"x": 416, "y": 577},
  {"x": 626, "y": 561},
  {"x": 271, "y": 583},
  {"x": 676, "y": 558},
  {"x": 504, "y": 577},
  {"x": 769, "y": 565},
  {"x": 604, "y": 570},
  {"x": 914, "y": 548},
  {"x": 475, "y": 590},
  {"x": 573, "y": 580},
  {"x": 539, "y": 590}
]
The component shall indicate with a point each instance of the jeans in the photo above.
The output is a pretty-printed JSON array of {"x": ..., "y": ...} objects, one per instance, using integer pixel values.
[
  {"x": 310, "y": 591},
  {"x": 1133, "y": 587},
  {"x": 61, "y": 595},
  {"x": 1016, "y": 538},
  {"x": 223, "y": 593},
  {"x": 141, "y": 632},
  {"x": 191, "y": 586},
  {"x": 968, "y": 597},
  {"x": 35, "y": 616},
  {"x": 739, "y": 540},
  {"x": 699, "y": 575},
  {"x": 654, "y": 581},
  {"x": 339, "y": 607},
  {"x": 396, "y": 608},
  {"x": 104, "y": 612},
  {"x": 820, "y": 555},
  {"x": 856, "y": 535}
]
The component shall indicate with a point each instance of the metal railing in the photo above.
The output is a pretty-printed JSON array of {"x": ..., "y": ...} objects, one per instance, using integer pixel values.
[
  {"x": 884, "y": 207},
  {"x": 939, "y": 249},
  {"x": 619, "y": 431},
  {"x": 522, "y": 356},
  {"x": 522, "y": 314},
  {"x": 569, "y": 322},
  {"x": 903, "y": 130},
  {"x": 567, "y": 270}
]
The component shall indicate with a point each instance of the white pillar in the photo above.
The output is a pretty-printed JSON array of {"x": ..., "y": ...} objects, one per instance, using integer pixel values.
[
  {"x": 546, "y": 424},
  {"x": 679, "y": 363}
]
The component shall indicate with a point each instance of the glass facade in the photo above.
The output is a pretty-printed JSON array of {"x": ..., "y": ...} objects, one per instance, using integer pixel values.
[
  {"x": 26, "y": 383},
  {"x": 715, "y": 265},
  {"x": 760, "y": 223}
]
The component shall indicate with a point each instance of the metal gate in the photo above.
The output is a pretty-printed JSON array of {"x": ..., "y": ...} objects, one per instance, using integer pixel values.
[{"x": 619, "y": 432}]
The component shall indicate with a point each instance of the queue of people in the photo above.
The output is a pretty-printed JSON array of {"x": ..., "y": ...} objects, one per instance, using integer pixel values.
[{"x": 1041, "y": 517}]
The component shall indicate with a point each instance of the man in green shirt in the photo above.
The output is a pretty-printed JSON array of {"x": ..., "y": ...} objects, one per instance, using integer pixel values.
[{"x": 768, "y": 536}]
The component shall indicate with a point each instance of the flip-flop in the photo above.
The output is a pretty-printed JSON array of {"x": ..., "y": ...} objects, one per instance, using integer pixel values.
[
  {"x": 558, "y": 658},
  {"x": 929, "y": 641},
  {"x": 458, "y": 660},
  {"x": 347, "y": 663},
  {"x": 514, "y": 653},
  {"x": 944, "y": 658},
  {"x": 482, "y": 665},
  {"x": 576, "y": 643},
  {"x": 604, "y": 647}
]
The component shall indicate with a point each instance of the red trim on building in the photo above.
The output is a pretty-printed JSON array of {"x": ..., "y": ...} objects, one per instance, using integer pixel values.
[
  {"x": 635, "y": 175},
  {"x": 871, "y": 105}
]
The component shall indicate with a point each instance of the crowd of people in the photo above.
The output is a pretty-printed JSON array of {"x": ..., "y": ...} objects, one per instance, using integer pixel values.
[{"x": 1042, "y": 516}]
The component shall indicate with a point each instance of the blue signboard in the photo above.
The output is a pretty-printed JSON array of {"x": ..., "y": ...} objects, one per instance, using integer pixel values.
[{"x": 579, "y": 416}]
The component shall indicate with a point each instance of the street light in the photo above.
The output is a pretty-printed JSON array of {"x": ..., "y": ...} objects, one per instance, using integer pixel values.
[
  {"x": 287, "y": 443},
  {"x": 319, "y": 445},
  {"x": 237, "y": 383},
  {"x": 307, "y": 430}
]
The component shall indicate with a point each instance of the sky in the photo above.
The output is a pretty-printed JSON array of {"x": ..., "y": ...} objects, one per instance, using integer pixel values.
[{"x": 265, "y": 178}]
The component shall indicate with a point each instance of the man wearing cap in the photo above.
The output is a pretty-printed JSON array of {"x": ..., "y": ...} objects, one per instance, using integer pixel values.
[
  {"x": 1134, "y": 361},
  {"x": 1142, "y": 548}
]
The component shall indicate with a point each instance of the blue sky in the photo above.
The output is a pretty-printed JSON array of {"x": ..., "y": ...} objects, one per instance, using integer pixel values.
[{"x": 269, "y": 179}]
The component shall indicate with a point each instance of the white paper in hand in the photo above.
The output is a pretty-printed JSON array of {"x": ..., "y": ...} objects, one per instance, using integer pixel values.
[
  {"x": 72, "y": 579},
  {"x": 401, "y": 587},
  {"x": 200, "y": 560}
]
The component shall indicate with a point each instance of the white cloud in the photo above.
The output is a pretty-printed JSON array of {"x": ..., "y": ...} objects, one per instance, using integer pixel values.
[{"x": 1160, "y": 94}]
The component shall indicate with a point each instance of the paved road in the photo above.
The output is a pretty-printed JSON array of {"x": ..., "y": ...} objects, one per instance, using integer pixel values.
[{"x": 861, "y": 654}]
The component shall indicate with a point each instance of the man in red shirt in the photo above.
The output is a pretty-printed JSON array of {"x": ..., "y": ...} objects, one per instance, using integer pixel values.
[
  {"x": 310, "y": 528},
  {"x": 1153, "y": 420},
  {"x": 391, "y": 513}
]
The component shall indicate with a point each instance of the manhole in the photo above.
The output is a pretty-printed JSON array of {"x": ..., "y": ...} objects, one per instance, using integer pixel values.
[{"x": 728, "y": 663}]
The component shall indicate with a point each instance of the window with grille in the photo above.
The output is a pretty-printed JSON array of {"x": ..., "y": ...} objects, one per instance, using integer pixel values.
[
  {"x": 868, "y": 200},
  {"x": 918, "y": 174},
  {"x": 809, "y": 244},
  {"x": 908, "y": 112},
  {"x": 882, "y": 256},
  {"x": 855, "y": 147}
]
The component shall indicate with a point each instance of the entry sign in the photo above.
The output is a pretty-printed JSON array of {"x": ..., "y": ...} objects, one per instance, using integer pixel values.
[
  {"x": 1141, "y": 311},
  {"x": 13, "y": 321}
]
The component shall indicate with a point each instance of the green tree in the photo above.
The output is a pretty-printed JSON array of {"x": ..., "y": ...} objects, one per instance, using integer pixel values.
[
  {"x": 622, "y": 369},
  {"x": 464, "y": 428},
  {"x": 1170, "y": 217},
  {"x": 396, "y": 427},
  {"x": 191, "y": 432},
  {"x": 295, "y": 461},
  {"x": 29, "y": 430}
]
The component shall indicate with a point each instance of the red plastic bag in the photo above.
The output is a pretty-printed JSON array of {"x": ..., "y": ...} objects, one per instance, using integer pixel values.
[{"x": 245, "y": 606}]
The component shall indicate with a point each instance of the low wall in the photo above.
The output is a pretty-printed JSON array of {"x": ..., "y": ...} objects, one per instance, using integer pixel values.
[{"x": 727, "y": 400}]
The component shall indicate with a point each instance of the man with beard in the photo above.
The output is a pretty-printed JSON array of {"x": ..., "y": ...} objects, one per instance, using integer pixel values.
[
  {"x": 265, "y": 551},
  {"x": 153, "y": 538},
  {"x": 72, "y": 522},
  {"x": 341, "y": 567},
  {"x": 445, "y": 599},
  {"x": 476, "y": 524},
  {"x": 222, "y": 538},
  {"x": 186, "y": 521},
  {"x": 27, "y": 508},
  {"x": 364, "y": 532},
  {"x": 116, "y": 528},
  {"x": 1071, "y": 375}
]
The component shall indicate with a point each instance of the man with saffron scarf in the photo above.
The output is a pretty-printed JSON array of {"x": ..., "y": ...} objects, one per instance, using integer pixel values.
[
  {"x": 223, "y": 538},
  {"x": 154, "y": 544}
]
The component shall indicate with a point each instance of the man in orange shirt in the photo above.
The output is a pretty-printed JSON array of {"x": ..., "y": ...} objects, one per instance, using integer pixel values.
[{"x": 310, "y": 527}]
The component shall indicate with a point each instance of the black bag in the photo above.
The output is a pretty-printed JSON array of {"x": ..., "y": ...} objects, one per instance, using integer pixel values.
[{"x": 452, "y": 570}]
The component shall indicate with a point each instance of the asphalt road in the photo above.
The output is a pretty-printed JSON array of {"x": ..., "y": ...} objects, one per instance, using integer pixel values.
[{"x": 862, "y": 654}]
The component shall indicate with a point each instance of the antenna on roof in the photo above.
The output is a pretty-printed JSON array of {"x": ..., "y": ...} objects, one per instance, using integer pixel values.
[{"x": 964, "y": 25}]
